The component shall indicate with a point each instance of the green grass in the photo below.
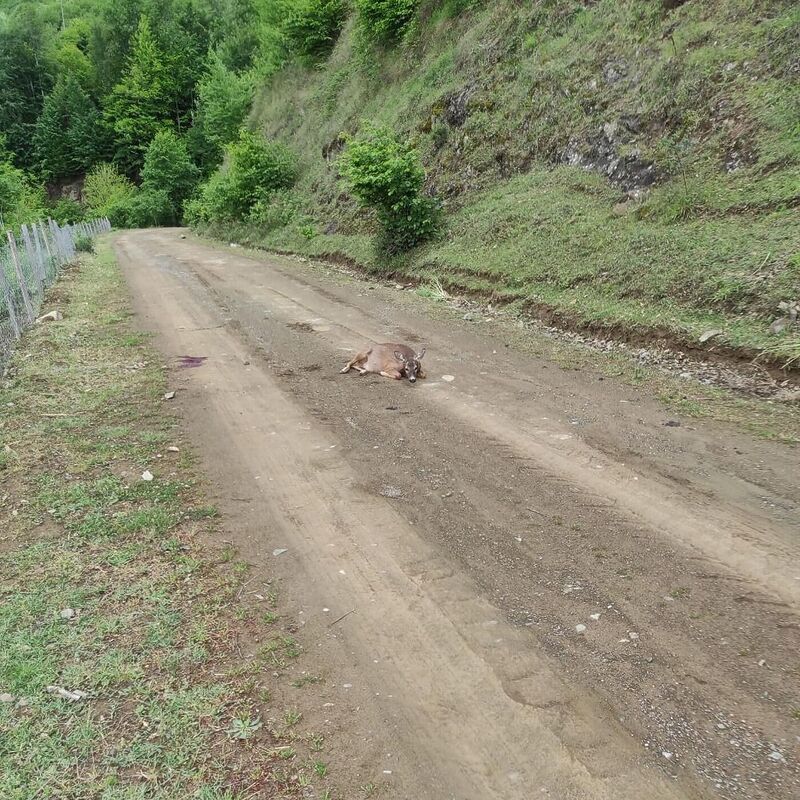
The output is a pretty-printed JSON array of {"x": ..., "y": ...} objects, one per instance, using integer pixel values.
[
  {"x": 701, "y": 85},
  {"x": 169, "y": 712}
]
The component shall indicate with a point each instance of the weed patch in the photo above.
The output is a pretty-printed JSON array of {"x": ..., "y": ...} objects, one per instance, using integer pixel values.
[{"x": 121, "y": 664}]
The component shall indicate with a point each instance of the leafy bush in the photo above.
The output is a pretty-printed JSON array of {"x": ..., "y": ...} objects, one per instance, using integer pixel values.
[
  {"x": 256, "y": 169},
  {"x": 385, "y": 173},
  {"x": 168, "y": 168},
  {"x": 312, "y": 29},
  {"x": 84, "y": 244},
  {"x": 275, "y": 212},
  {"x": 143, "y": 209},
  {"x": 21, "y": 200},
  {"x": 385, "y": 21},
  {"x": 67, "y": 210},
  {"x": 105, "y": 188}
]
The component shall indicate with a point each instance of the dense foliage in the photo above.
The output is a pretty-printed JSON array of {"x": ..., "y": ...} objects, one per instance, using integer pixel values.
[
  {"x": 386, "y": 21},
  {"x": 385, "y": 173},
  {"x": 255, "y": 170},
  {"x": 103, "y": 80},
  {"x": 149, "y": 98},
  {"x": 312, "y": 29}
]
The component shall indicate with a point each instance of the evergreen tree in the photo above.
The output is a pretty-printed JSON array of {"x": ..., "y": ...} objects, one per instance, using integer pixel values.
[
  {"x": 168, "y": 168},
  {"x": 68, "y": 134},
  {"x": 140, "y": 104},
  {"x": 25, "y": 78},
  {"x": 223, "y": 100}
]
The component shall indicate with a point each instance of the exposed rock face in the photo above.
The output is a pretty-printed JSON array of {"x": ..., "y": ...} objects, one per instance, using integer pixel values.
[
  {"x": 67, "y": 190},
  {"x": 456, "y": 106},
  {"x": 601, "y": 153}
]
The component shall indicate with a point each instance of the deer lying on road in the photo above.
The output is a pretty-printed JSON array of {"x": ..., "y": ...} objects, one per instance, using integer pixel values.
[{"x": 389, "y": 360}]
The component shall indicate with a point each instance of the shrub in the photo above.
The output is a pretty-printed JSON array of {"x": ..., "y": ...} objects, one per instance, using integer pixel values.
[
  {"x": 144, "y": 208},
  {"x": 256, "y": 169},
  {"x": 84, "y": 244},
  {"x": 275, "y": 212},
  {"x": 312, "y": 29},
  {"x": 168, "y": 168},
  {"x": 105, "y": 188},
  {"x": 67, "y": 210},
  {"x": 385, "y": 21},
  {"x": 385, "y": 173}
]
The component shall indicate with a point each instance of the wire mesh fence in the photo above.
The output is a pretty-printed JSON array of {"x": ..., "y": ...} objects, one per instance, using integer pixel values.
[{"x": 29, "y": 263}]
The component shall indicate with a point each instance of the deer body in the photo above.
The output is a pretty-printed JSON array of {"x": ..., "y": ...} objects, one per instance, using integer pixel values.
[{"x": 390, "y": 360}]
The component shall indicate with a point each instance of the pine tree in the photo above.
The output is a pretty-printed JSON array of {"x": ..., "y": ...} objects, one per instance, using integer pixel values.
[
  {"x": 141, "y": 103},
  {"x": 68, "y": 135},
  {"x": 223, "y": 102}
]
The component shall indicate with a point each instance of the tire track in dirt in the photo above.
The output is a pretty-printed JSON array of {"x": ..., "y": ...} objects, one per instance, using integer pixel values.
[{"x": 507, "y": 534}]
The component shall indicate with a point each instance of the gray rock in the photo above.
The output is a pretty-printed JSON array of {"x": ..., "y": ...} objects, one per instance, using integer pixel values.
[
  {"x": 51, "y": 316},
  {"x": 6, "y": 698},
  {"x": 67, "y": 613},
  {"x": 710, "y": 335}
]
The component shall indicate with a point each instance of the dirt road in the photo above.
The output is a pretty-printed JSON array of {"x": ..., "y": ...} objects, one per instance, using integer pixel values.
[{"x": 471, "y": 524}]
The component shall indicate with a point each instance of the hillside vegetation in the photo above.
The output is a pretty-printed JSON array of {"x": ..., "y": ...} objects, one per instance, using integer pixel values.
[
  {"x": 606, "y": 162},
  {"x": 613, "y": 161}
]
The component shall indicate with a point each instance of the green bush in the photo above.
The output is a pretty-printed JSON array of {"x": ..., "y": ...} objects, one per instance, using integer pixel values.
[
  {"x": 67, "y": 210},
  {"x": 144, "y": 208},
  {"x": 275, "y": 212},
  {"x": 385, "y": 21},
  {"x": 255, "y": 171},
  {"x": 312, "y": 29},
  {"x": 84, "y": 244},
  {"x": 168, "y": 168},
  {"x": 385, "y": 173},
  {"x": 105, "y": 188}
]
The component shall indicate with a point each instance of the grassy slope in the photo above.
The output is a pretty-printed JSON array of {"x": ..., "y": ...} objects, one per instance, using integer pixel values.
[
  {"x": 690, "y": 90},
  {"x": 173, "y": 709}
]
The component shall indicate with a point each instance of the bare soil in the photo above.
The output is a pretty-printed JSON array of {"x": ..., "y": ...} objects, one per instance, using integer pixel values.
[{"x": 444, "y": 540}]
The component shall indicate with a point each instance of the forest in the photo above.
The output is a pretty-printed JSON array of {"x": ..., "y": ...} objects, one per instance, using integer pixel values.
[
  {"x": 137, "y": 98},
  {"x": 629, "y": 163}
]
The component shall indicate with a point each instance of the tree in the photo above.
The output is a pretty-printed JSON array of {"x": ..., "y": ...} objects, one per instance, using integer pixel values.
[
  {"x": 25, "y": 78},
  {"x": 223, "y": 100},
  {"x": 68, "y": 139},
  {"x": 169, "y": 169},
  {"x": 140, "y": 104},
  {"x": 105, "y": 187}
]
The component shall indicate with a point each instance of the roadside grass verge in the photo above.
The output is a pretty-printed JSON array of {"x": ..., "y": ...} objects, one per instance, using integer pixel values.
[
  {"x": 551, "y": 242},
  {"x": 133, "y": 665},
  {"x": 775, "y": 420}
]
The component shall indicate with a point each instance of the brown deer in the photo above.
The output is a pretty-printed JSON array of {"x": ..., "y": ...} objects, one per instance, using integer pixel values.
[{"x": 389, "y": 360}]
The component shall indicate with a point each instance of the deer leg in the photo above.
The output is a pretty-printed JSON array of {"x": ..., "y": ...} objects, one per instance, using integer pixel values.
[
  {"x": 393, "y": 374},
  {"x": 361, "y": 357}
]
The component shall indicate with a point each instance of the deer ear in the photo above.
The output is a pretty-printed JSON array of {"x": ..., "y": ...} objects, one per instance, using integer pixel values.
[
  {"x": 421, "y": 354},
  {"x": 399, "y": 356}
]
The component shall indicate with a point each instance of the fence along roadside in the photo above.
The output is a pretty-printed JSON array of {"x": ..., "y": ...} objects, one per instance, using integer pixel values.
[{"x": 29, "y": 264}]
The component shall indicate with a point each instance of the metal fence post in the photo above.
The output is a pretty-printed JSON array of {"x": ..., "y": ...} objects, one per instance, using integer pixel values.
[
  {"x": 40, "y": 236},
  {"x": 23, "y": 287},
  {"x": 36, "y": 266},
  {"x": 12, "y": 314}
]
